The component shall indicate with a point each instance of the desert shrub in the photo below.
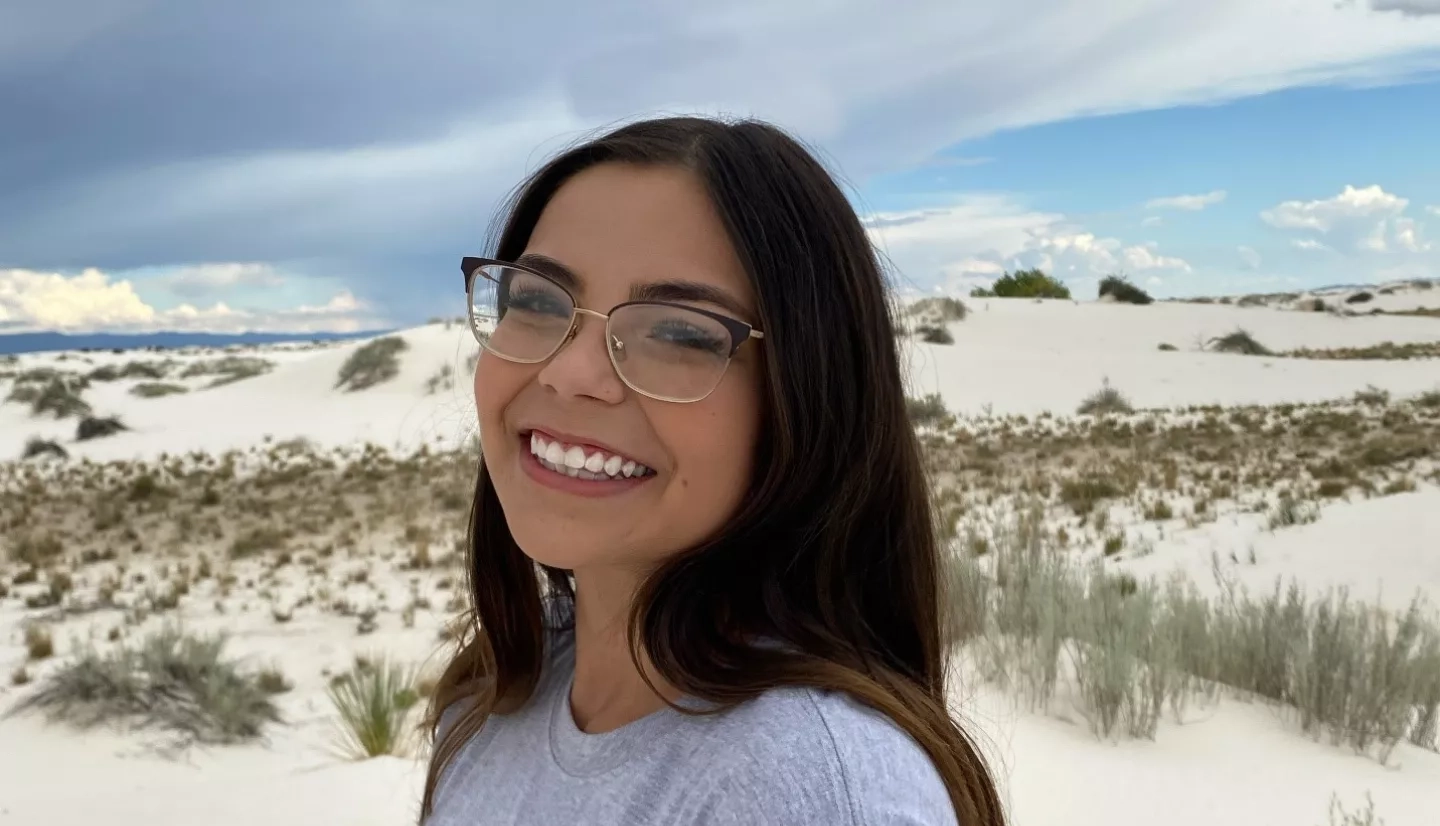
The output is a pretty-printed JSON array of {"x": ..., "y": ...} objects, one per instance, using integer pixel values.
[
  {"x": 1289, "y": 512},
  {"x": 272, "y": 681},
  {"x": 129, "y": 370},
  {"x": 932, "y": 334},
  {"x": 37, "y": 549},
  {"x": 1240, "y": 342},
  {"x": 59, "y": 396},
  {"x": 1031, "y": 283},
  {"x": 39, "y": 644},
  {"x": 97, "y": 427},
  {"x": 1360, "y": 297},
  {"x": 228, "y": 369},
  {"x": 1105, "y": 400},
  {"x": 371, "y": 364},
  {"x": 36, "y": 446},
  {"x": 373, "y": 700},
  {"x": 1167, "y": 348},
  {"x": 256, "y": 540},
  {"x": 171, "y": 681},
  {"x": 928, "y": 410},
  {"x": 156, "y": 389},
  {"x": 1340, "y": 816},
  {"x": 1430, "y": 398},
  {"x": 1083, "y": 493},
  {"x": 1373, "y": 396},
  {"x": 443, "y": 379},
  {"x": 939, "y": 308},
  {"x": 1120, "y": 289}
]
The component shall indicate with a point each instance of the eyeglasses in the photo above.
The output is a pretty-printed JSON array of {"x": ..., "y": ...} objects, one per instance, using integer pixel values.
[{"x": 663, "y": 350}]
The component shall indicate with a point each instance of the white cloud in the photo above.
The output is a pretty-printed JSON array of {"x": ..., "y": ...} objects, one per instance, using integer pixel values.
[
  {"x": 1413, "y": 8},
  {"x": 1191, "y": 203},
  {"x": 207, "y": 279},
  {"x": 1249, "y": 257},
  {"x": 1433, "y": 210},
  {"x": 1308, "y": 244},
  {"x": 982, "y": 236},
  {"x": 32, "y": 300},
  {"x": 1151, "y": 221},
  {"x": 1367, "y": 219}
]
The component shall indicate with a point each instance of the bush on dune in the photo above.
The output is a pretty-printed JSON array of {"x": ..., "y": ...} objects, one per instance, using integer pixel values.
[
  {"x": 98, "y": 427},
  {"x": 155, "y": 389},
  {"x": 933, "y": 334},
  {"x": 1105, "y": 400},
  {"x": 371, "y": 364},
  {"x": 1031, "y": 283},
  {"x": 1118, "y": 288},
  {"x": 1240, "y": 342},
  {"x": 171, "y": 681}
]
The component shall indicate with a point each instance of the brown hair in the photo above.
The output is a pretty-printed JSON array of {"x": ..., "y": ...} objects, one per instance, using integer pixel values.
[{"x": 833, "y": 551}]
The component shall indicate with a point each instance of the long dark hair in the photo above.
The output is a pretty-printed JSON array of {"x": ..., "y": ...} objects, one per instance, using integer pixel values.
[{"x": 832, "y": 552}]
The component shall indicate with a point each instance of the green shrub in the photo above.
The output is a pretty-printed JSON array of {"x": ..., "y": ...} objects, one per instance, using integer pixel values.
[
  {"x": 1105, "y": 400},
  {"x": 928, "y": 410},
  {"x": 97, "y": 427},
  {"x": 1030, "y": 283},
  {"x": 36, "y": 446},
  {"x": 228, "y": 369},
  {"x": 1168, "y": 348},
  {"x": 932, "y": 334},
  {"x": 155, "y": 389},
  {"x": 371, "y": 364},
  {"x": 1240, "y": 342},
  {"x": 1120, "y": 289},
  {"x": 373, "y": 701},
  {"x": 172, "y": 681}
]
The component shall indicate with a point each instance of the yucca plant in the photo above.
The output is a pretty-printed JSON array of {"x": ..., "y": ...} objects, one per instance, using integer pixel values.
[{"x": 373, "y": 700}]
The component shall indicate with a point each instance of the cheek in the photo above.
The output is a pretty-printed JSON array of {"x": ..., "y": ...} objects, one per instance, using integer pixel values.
[
  {"x": 497, "y": 382},
  {"x": 713, "y": 446}
]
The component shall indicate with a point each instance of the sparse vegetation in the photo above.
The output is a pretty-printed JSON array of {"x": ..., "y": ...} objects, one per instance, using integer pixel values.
[
  {"x": 98, "y": 427},
  {"x": 156, "y": 389},
  {"x": 1118, "y": 288},
  {"x": 932, "y": 334},
  {"x": 1031, "y": 283},
  {"x": 1385, "y": 351},
  {"x": 373, "y": 700},
  {"x": 371, "y": 364},
  {"x": 35, "y": 446},
  {"x": 39, "y": 644},
  {"x": 1240, "y": 342},
  {"x": 172, "y": 681},
  {"x": 1105, "y": 400},
  {"x": 228, "y": 369},
  {"x": 928, "y": 410}
]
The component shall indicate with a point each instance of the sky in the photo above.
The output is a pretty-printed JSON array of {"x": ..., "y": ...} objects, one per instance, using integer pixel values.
[{"x": 297, "y": 165}]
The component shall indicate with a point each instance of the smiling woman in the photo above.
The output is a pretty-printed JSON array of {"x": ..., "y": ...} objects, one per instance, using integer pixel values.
[{"x": 705, "y": 581}]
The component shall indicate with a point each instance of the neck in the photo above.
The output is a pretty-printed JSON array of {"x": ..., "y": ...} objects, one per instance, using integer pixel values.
[{"x": 609, "y": 691}]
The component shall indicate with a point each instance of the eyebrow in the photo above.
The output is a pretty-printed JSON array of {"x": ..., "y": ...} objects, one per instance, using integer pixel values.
[{"x": 667, "y": 290}]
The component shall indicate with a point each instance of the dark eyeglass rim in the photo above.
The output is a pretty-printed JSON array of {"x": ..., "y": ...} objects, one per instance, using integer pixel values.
[{"x": 739, "y": 331}]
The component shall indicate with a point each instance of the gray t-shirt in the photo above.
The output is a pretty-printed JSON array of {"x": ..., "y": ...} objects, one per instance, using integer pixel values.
[{"x": 791, "y": 756}]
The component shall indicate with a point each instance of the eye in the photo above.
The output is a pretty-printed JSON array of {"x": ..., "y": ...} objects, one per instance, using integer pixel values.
[
  {"x": 680, "y": 333},
  {"x": 542, "y": 302}
]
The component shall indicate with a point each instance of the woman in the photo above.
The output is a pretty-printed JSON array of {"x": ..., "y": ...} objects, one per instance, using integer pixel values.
[{"x": 705, "y": 578}]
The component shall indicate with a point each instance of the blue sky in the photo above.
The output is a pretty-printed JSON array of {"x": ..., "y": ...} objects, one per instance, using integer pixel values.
[{"x": 321, "y": 164}]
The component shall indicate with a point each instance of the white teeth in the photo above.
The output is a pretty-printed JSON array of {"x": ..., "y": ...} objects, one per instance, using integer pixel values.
[
  {"x": 575, "y": 458},
  {"x": 574, "y": 462},
  {"x": 555, "y": 454}
]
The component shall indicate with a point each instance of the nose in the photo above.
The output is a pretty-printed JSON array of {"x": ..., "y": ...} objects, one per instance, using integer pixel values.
[{"x": 582, "y": 368}]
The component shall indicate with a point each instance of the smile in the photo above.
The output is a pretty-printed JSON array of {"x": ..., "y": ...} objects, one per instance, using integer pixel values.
[{"x": 580, "y": 468}]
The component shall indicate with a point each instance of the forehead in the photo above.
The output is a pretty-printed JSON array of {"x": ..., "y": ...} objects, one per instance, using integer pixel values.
[{"x": 620, "y": 225}]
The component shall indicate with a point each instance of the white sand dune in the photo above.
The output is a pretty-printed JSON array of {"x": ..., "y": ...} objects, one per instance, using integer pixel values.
[
  {"x": 1023, "y": 356},
  {"x": 1235, "y": 763}
]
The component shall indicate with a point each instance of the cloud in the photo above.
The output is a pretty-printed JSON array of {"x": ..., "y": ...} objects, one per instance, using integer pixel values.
[
  {"x": 92, "y": 301},
  {"x": 1151, "y": 221},
  {"x": 205, "y": 280},
  {"x": 1249, "y": 257},
  {"x": 981, "y": 236},
  {"x": 147, "y": 134},
  {"x": 1367, "y": 219},
  {"x": 1433, "y": 210},
  {"x": 1412, "y": 8},
  {"x": 1308, "y": 244},
  {"x": 1192, "y": 203}
]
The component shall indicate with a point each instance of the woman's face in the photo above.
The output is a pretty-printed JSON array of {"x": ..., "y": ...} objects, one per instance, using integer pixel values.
[{"x": 617, "y": 228}]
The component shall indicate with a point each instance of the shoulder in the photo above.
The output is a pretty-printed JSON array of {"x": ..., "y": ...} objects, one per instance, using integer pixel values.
[{"x": 804, "y": 756}]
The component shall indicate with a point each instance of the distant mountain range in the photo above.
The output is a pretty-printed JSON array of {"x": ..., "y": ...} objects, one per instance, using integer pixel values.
[{"x": 47, "y": 342}]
